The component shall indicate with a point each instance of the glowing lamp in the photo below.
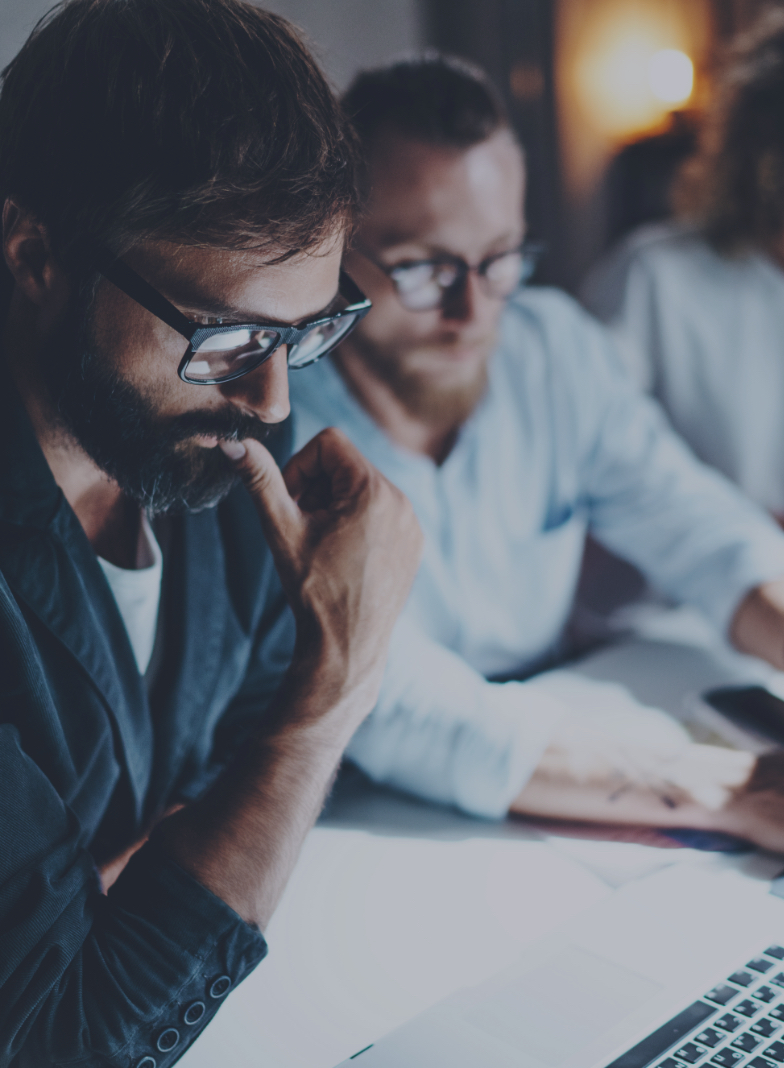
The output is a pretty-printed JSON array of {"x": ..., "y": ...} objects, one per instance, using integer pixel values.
[{"x": 671, "y": 76}]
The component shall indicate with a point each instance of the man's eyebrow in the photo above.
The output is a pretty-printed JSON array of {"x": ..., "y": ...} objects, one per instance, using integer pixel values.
[
  {"x": 197, "y": 305},
  {"x": 391, "y": 237},
  {"x": 434, "y": 249}
]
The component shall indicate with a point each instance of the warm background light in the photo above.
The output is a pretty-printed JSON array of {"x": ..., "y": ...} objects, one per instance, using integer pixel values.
[
  {"x": 671, "y": 76},
  {"x": 623, "y": 66},
  {"x": 627, "y": 81}
]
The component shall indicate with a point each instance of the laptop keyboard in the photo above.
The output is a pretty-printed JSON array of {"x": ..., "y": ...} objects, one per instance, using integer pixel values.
[{"x": 739, "y": 1023}]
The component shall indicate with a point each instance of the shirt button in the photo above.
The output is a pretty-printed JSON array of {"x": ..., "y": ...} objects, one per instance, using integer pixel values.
[
  {"x": 194, "y": 1013},
  {"x": 168, "y": 1039},
  {"x": 220, "y": 987},
  {"x": 147, "y": 1062}
]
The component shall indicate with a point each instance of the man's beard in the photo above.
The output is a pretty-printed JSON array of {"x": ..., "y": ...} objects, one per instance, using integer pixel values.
[
  {"x": 423, "y": 396},
  {"x": 153, "y": 459}
]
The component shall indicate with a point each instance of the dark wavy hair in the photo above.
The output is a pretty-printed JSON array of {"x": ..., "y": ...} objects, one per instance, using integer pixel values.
[
  {"x": 734, "y": 185},
  {"x": 205, "y": 122}
]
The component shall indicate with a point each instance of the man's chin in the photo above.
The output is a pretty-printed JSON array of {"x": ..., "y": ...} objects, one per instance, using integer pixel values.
[
  {"x": 198, "y": 498},
  {"x": 461, "y": 371},
  {"x": 196, "y": 478},
  {"x": 195, "y": 496},
  {"x": 453, "y": 365},
  {"x": 443, "y": 392},
  {"x": 184, "y": 478}
]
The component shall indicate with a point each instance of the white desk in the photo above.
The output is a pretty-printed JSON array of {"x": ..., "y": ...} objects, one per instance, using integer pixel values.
[{"x": 396, "y": 903}]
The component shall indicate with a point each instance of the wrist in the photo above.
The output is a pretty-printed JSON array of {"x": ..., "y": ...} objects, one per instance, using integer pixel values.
[
  {"x": 758, "y": 624},
  {"x": 341, "y": 661},
  {"x": 323, "y": 694}
]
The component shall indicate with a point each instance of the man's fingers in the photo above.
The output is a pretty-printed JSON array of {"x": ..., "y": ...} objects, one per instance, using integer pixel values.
[
  {"x": 329, "y": 454},
  {"x": 279, "y": 514}
]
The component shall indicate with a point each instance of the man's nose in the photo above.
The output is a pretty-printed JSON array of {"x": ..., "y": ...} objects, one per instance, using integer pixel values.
[
  {"x": 265, "y": 390},
  {"x": 466, "y": 302}
]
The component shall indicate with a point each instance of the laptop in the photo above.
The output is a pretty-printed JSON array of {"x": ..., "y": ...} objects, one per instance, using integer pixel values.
[{"x": 682, "y": 969}]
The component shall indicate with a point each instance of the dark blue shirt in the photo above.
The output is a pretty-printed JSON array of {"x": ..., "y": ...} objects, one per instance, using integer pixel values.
[{"x": 89, "y": 759}]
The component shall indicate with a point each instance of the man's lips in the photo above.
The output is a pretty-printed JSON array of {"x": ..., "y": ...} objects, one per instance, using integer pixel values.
[
  {"x": 207, "y": 441},
  {"x": 450, "y": 355},
  {"x": 466, "y": 355}
]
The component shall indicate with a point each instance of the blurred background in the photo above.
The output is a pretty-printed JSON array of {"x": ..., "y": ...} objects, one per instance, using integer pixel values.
[{"x": 605, "y": 93}]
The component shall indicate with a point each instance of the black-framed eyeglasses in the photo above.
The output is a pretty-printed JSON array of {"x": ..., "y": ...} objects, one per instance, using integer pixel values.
[
  {"x": 423, "y": 285},
  {"x": 225, "y": 351}
]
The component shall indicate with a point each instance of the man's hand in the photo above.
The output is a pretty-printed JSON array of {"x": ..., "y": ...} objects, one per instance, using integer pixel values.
[
  {"x": 346, "y": 545},
  {"x": 758, "y": 623},
  {"x": 756, "y": 808},
  {"x": 111, "y": 871},
  {"x": 589, "y": 776}
]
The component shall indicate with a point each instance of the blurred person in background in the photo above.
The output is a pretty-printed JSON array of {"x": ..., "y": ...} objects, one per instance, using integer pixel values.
[
  {"x": 177, "y": 184},
  {"x": 506, "y": 417},
  {"x": 697, "y": 305},
  {"x": 638, "y": 185}
]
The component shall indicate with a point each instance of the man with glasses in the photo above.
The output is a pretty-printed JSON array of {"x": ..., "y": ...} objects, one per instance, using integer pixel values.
[
  {"x": 505, "y": 417},
  {"x": 177, "y": 184}
]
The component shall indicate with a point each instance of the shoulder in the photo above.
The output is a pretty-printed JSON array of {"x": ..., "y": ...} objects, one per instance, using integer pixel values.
[
  {"x": 541, "y": 311},
  {"x": 550, "y": 319},
  {"x": 667, "y": 242},
  {"x": 657, "y": 256},
  {"x": 547, "y": 337},
  {"x": 564, "y": 376}
]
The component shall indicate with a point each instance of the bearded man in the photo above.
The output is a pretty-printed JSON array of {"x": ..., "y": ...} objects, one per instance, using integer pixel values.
[
  {"x": 177, "y": 186},
  {"x": 506, "y": 418}
]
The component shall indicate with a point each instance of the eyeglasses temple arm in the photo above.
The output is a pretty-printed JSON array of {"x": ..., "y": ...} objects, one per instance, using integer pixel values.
[
  {"x": 133, "y": 285},
  {"x": 351, "y": 291}
]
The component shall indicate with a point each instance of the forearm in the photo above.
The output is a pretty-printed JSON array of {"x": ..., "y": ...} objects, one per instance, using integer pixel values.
[
  {"x": 696, "y": 786},
  {"x": 243, "y": 839},
  {"x": 346, "y": 545}
]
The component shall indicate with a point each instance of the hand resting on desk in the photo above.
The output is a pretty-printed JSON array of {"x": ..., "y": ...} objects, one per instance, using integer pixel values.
[{"x": 587, "y": 775}]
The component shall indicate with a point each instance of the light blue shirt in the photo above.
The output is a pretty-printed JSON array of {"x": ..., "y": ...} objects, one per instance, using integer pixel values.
[{"x": 561, "y": 441}]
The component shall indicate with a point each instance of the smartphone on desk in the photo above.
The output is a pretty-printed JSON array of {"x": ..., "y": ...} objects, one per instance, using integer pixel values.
[{"x": 748, "y": 713}]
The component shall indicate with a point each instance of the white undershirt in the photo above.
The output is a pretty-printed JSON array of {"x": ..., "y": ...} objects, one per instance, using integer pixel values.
[{"x": 138, "y": 594}]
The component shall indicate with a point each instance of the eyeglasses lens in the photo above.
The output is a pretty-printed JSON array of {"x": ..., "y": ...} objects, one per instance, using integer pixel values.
[
  {"x": 224, "y": 355},
  {"x": 421, "y": 286},
  {"x": 504, "y": 274},
  {"x": 319, "y": 340}
]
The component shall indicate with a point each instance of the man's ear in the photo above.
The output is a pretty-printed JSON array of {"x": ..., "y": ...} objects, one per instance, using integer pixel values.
[{"x": 29, "y": 258}]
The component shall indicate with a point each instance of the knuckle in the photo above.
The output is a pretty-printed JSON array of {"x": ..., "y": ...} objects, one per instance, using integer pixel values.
[
  {"x": 404, "y": 506},
  {"x": 334, "y": 440},
  {"x": 375, "y": 481}
]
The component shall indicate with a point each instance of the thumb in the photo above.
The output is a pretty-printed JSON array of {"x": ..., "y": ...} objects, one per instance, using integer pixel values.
[{"x": 280, "y": 515}]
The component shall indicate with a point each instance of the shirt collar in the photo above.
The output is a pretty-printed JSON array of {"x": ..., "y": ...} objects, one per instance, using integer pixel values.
[{"x": 337, "y": 404}]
